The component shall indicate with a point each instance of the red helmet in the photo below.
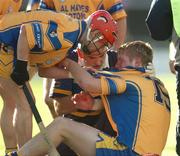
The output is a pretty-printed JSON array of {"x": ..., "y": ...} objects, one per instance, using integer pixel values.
[{"x": 102, "y": 21}]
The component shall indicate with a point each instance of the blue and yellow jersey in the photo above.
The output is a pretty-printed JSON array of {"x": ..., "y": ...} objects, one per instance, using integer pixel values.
[
  {"x": 6, "y": 51},
  {"x": 81, "y": 9},
  {"x": 6, "y": 61},
  {"x": 138, "y": 108},
  {"x": 67, "y": 87},
  {"x": 50, "y": 35}
]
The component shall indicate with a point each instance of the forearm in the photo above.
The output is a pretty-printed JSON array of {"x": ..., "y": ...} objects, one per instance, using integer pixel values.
[
  {"x": 53, "y": 72},
  {"x": 22, "y": 46},
  {"x": 83, "y": 78}
]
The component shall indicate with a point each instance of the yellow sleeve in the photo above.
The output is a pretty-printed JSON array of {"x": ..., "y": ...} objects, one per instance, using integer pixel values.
[
  {"x": 112, "y": 85},
  {"x": 115, "y": 8}
]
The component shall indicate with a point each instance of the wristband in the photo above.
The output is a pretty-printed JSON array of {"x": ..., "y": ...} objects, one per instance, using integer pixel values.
[{"x": 21, "y": 66}]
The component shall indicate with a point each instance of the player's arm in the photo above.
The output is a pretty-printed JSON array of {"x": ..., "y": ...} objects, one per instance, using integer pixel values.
[
  {"x": 53, "y": 72},
  {"x": 82, "y": 77},
  {"x": 22, "y": 46},
  {"x": 57, "y": 71},
  {"x": 20, "y": 74},
  {"x": 102, "y": 86}
]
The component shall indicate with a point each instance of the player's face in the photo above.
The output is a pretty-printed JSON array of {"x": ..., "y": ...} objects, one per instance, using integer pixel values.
[
  {"x": 123, "y": 60},
  {"x": 95, "y": 60},
  {"x": 96, "y": 42},
  {"x": 95, "y": 56}
]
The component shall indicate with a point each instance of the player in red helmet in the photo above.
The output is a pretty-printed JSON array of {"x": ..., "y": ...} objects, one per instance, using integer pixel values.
[
  {"x": 46, "y": 37},
  {"x": 102, "y": 25},
  {"x": 103, "y": 22}
]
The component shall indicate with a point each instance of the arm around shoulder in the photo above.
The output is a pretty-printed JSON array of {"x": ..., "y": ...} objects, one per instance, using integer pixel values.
[{"x": 83, "y": 78}]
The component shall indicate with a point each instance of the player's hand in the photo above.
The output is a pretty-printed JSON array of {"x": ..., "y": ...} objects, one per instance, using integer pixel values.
[
  {"x": 83, "y": 101},
  {"x": 150, "y": 69},
  {"x": 20, "y": 74}
]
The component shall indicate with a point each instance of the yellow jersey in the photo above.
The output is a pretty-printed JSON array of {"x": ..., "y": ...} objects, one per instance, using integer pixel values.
[
  {"x": 50, "y": 34},
  {"x": 81, "y": 9},
  {"x": 138, "y": 108}
]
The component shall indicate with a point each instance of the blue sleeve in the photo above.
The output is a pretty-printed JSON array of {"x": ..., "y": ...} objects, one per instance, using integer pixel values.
[
  {"x": 159, "y": 20},
  {"x": 76, "y": 88},
  {"x": 62, "y": 87}
]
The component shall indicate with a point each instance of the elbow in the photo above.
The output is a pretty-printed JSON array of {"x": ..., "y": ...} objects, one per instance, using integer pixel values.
[{"x": 89, "y": 86}]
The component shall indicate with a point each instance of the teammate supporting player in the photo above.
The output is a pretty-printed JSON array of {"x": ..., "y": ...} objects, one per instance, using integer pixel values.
[{"x": 137, "y": 106}]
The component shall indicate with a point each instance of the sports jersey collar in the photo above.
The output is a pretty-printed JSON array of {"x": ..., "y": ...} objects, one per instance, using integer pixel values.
[{"x": 141, "y": 69}]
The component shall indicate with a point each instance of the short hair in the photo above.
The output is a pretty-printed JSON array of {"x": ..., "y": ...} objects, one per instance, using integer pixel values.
[{"x": 137, "y": 49}]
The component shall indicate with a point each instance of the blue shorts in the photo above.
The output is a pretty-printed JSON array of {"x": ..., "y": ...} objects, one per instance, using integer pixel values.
[{"x": 108, "y": 146}]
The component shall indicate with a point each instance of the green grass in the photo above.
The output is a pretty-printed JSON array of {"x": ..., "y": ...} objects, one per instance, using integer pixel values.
[{"x": 169, "y": 81}]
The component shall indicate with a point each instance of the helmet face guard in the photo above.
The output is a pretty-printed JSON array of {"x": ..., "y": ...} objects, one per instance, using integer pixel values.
[
  {"x": 103, "y": 22},
  {"x": 104, "y": 28},
  {"x": 95, "y": 44}
]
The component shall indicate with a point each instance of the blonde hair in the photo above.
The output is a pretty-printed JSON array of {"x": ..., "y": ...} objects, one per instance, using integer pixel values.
[{"x": 139, "y": 49}]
